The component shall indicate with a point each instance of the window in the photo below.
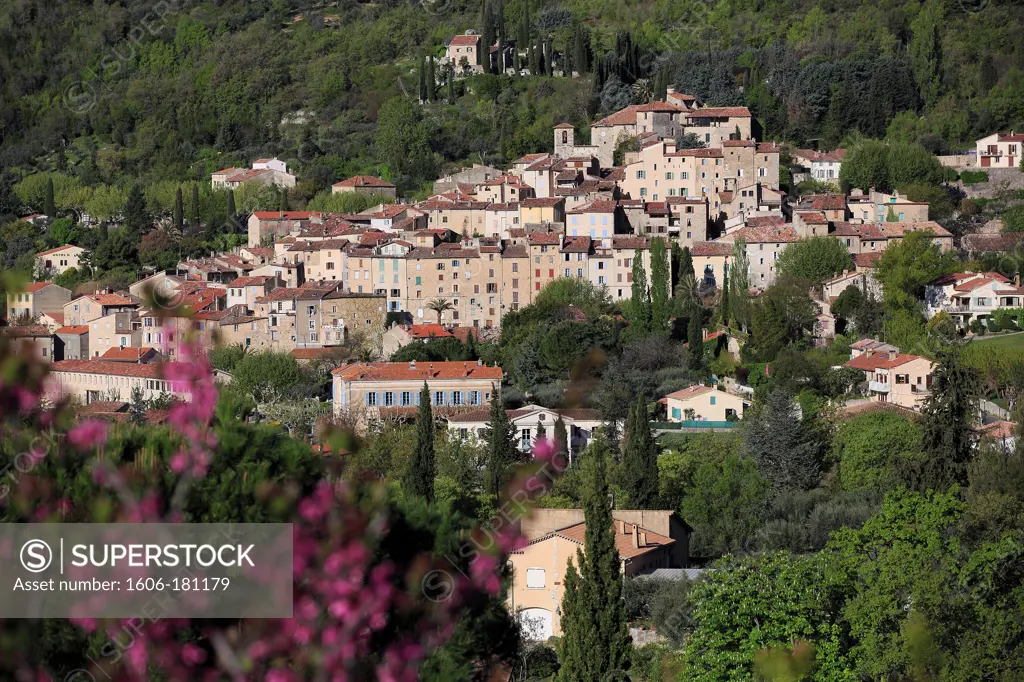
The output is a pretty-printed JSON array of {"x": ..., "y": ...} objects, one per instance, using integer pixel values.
[
  {"x": 474, "y": 397},
  {"x": 389, "y": 399},
  {"x": 439, "y": 397},
  {"x": 535, "y": 579},
  {"x": 456, "y": 397},
  {"x": 712, "y": 400},
  {"x": 641, "y": 175},
  {"x": 371, "y": 399}
]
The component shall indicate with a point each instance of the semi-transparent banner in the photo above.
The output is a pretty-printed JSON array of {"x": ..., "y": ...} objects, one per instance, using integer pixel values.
[{"x": 145, "y": 570}]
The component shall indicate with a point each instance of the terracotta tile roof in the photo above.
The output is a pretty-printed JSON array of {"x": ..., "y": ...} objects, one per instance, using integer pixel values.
[
  {"x": 515, "y": 251},
  {"x": 1000, "y": 430},
  {"x": 563, "y": 125},
  {"x": 59, "y": 249},
  {"x": 483, "y": 415},
  {"x": 363, "y": 181},
  {"x": 812, "y": 218},
  {"x": 463, "y": 40},
  {"x": 128, "y": 354},
  {"x": 623, "y": 541},
  {"x": 33, "y": 287},
  {"x": 26, "y": 331},
  {"x": 632, "y": 243},
  {"x": 720, "y": 112},
  {"x": 880, "y": 361},
  {"x": 826, "y": 202},
  {"x": 530, "y": 158},
  {"x": 739, "y": 143},
  {"x": 973, "y": 284},
  {"x": 812, "y": 155},
  {"x": 427, "y": 331},
  {"x": 123, "y": 369},
  {"x": 726, "y": 196},
  {"x": 901, "y": 229},
  {"x": 285, "y": 215},
  {"x": 1009, "y": 137},
  {"x": 546, "y": 202},
  {"x": 249, "y": 281},
  {"x": 866, "y": 260},
  {"x": 703, "y": 153},
  {"x": 711, "y": 249},
  {"x": 661, "y": 107},
  {"x": 867, "y": 231},
  {"x": 623, "y": 117},
  {"x": 311, "y": 353},
  {"x": 73, "y": 330},
  {"x": 576, "y": 245},
  {"x": 406, "y": 371},
  {"x": 596, "y": 206},
  {"x": 761, "y": 221},
  {"x": 691, "y": 392},
  {"x": 543, "y": 238},
  {"x": 766, "y": 234}
]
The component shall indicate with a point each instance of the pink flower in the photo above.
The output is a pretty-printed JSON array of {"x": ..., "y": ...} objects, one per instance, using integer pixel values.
[{"x": 88, "y": 434}]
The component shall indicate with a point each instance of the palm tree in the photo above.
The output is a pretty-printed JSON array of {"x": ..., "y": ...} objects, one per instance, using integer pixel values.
[
  {"x": 643, "y": 90},
  {"x": 440, "y": 306}
]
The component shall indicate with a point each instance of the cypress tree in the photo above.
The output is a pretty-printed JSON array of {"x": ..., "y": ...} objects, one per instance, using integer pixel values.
[
  {"x": 48, "y": 206},
  {"x": 640, "y": 303},
  {"x": 542, "y": 433},
  {"x": 659, "y": 286},
  {"x": 686, "y": 264},
  {"x": 523, "y": 39},
  {"x": 431, "y": 80},
  {"x": 695, "y": 339},
  {"x": 282, "y": 200},
  {"x": 421, "y": 470},
  {"x": 450, "y": 78},
  {"x": 595, "y": 637},
  {"x": 423, "y": 80},
  {"x": 501, "y": 445},
  {"x": 725, "y": 301},
  {"x": 580, "y": 50},
  {"x": 487, "y": 36},
  {"x": 194, "y": 221},
  {"x": 561, "y": 437},
  {"x": 136, "y": 218},
  {"x": 178, "y": 216},
  {"x": 549, "y": 58},
  {"x": 640, "y": 460},
  {"x": 231, "y": 212},
  {"x": 947, "y": 425}
]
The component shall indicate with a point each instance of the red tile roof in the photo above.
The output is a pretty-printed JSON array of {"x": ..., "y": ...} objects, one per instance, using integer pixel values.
[
  {"x": 545, "y": 202},
  {"x": 249, "y": 281},
  {"x": 720, "y": 112},
  {"x": 462, "y": 40},
  {"x": 285, "y": 215},
  {"x": 866, "y": 260},
  {"x": 58, "y": 250},
  {"x": 691, "y": 392},
  {"x": 880, "y": 361},
  {"x": 766, "y": 234},
  {"x": 405, "y": 371},
  {"x": 427, "y": 331},
  {"x": 364, "y": 181},
  {"x": 124, "y": 369},
  {"x": 73, "y": 330},
  {"x": 26, "y": 331},
  {"x": 128, "y": 354},
  {"x": 711, "y": 249},
  {"x": 33, "y": 287},
  {"x": 311, "y": 353},
  {"x": 623, "y": 541}
]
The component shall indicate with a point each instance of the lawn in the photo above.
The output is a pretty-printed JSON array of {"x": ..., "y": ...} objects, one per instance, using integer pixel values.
[{"x": 1015, "y": 340}]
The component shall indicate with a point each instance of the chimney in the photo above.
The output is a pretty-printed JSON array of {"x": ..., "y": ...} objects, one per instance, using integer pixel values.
[
  {"x": 1016, "y": 280},
  {"x": 636, "y": 537},
  {"x": 622, "y": 526},
  {"x": 479, "y": 363},
  {"x": 643, "y": 539},
  {"x": 704, "y": 333},
  {"x": 892, "y": 355},
  {"x": 412, "y": 364}
]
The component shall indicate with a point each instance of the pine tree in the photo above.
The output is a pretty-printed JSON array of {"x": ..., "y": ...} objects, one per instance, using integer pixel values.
[
  {"x": 431, "y": 80},
  {"x": 501, "y": 445},
  {"x": 640, "y": 302},
  {"x": 947, "y": 425},
  {"x": 194, "y": 220},
  {"x": 785, "y": 445},
  {"x": 595, "y": 636},
  {"x": 178, "y": 215},
  {"x": 422, "y": 470},
  {"x": 640, "y": 460},
  {"x": 48, "y": 206},
  {"x": 695, "y": 341},
  {"x": 659, "y": 286},
  {"x": 136, "y": 217}
]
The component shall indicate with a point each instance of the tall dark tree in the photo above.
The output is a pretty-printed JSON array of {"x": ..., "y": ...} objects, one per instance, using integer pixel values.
[
  {"x": 137, "y": 220},
  {"x": 640, "y": 297},
  {"x": 137, "y": 407},
  {"x": 48, "y": 206},
  {"x": 685, "y": 265},
  {"x": 423, "y": 79},
  {"x": 422, "y": 468},
  {"x": 487, "y": 36},
  {"x": 581, "y": 50},
  {"x": 785, "y": 444},
  {"x": 549, "y": 58},
  {"x": 178, "y": 214},
  {"x": 561, "y": 437},
  {"x": 194, "y": 219},
  {"x": 640, "y": 459},
  {"x": 501, "y": 445},
  {"x": 282, "y": 199},
  {"x": 232, "y": 214},
  {"x": 723, "y": 302},
  {"x": 523, "y": 35},
  {"x": 695, "y": 342},
  {"x": 947, "y": 425},
  {"x": 660, "y": 276},
  {"x": 595, "y": 637},
  {"x": 431, "y": 80},
  {"x": 450, "y": 82}
]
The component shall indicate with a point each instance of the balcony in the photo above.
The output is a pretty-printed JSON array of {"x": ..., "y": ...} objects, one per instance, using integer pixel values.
[{"x": 878, "y": 387}]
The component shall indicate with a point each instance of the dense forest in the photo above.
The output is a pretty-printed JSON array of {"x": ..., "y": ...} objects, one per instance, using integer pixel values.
[{"x": 120, "y": 92}]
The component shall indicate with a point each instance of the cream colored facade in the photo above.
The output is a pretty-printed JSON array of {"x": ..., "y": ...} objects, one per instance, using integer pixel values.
[
  {"x": 101, "y": 380},
  {"x": 57, "y": 261},
  {"x": 1000, "y": 150},
  {"x": 704, "y": 403},
  {"x": 35, "y": 299},
  {"x": 117, "y": 330},
  {"x": 896, "y": 378}
]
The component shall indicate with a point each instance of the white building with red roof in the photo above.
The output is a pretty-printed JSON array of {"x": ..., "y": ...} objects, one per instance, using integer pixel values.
[
  {"x": 704, "y": 404},
  {"x": 263, "y": 171},
  {"x": 464, "y": 53},
  {"x": 57, "y": 261},
  {"x": 894, "y": 377},
  {"x": 1000, "y": 150},
  {"x": 969, "y": 296},
  {"x": 92, "y": 381}
]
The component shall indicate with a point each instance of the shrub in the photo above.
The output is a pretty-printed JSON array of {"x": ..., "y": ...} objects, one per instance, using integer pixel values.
[{"x": 969, "y": 177}]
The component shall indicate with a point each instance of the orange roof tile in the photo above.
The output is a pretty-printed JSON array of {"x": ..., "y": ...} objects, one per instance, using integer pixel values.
[{"x": 406, "y": 371}]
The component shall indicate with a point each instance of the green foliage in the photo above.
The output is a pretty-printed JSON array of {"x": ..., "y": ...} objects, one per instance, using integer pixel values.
[
  {"x": 734, "y": 618},
  {"x": 905, "y": 267},
  {"x": 815, "y": 259},
  {"x": 782, "y": 315},
  {"x": 346, "y": 202},
  {"x": 887, "y": 165},
  {"x": 266, "y": 375},
  {"x": 1013, "y": 218},
  {"x": 786, "y": 445},
  {"x": 874, "y": 449},
  {"x": 973, "y": 177},
  {"x": 421, "y": 472},
  {"x": 502, "y": 452},
  {"x": 948, "y": 417},
  {"x": 595, "y": 637},
  {"x": 640, "y": 300},
  {"x": 639, "y": 469},
  {"x": 660, "y": 282}
]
